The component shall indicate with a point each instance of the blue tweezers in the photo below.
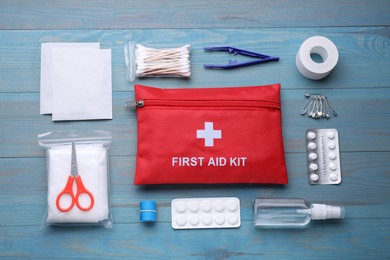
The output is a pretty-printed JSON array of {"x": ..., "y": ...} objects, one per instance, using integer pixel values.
[{"x": 260, "y": 58}]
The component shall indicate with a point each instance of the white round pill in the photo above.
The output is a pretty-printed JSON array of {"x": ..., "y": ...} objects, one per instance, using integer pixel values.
[
  {"x": 332, "y": 166},
  {"x": 333, "y": 176},
  {"x": 219, "y": 206},
  {"x": 193, "y": 219},
  {"x": 312, "y": 145},
  {"x": 181, "y": 220},
  {"x": 206, "y": 206},
  {"x": 314, "y": 177},
  {"x": 206, "y": 219},
  {"x": 193, "y": 206},
  {"x": 313, "y": 156},
  {"x": 311, "y": 135},
  {"x": 219, "y": 219},
  {"x": 331, "y": 135},
  {"x": 332, "y": 145},
  {"x": 232, "y": 219},
  {"x": 231, "y": 205},
  {"x": 313, "y": 166},
  {"x": 180, "y": 206},
  {"x": 332, "y": 156}
]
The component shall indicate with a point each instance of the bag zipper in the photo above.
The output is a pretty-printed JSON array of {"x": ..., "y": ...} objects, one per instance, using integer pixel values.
[{"x": 203, "y": 103}]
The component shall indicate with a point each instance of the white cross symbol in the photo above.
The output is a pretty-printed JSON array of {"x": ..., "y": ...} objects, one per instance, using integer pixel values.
[{"x": 209, "y": 134}]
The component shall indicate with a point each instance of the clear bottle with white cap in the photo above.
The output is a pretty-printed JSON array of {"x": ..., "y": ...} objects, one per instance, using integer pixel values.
[{"x": 292, "y": 213}]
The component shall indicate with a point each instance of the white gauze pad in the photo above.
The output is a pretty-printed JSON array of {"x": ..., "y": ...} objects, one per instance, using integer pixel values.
[{"x": 92, "y": 167}]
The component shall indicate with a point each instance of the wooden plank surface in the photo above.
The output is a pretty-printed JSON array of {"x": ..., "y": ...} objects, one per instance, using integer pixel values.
[
  {"x": 100, "y": 14},
  {"x": 358, "y": 89}
]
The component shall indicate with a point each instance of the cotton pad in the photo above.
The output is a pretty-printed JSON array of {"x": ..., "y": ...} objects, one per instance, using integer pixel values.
[
  {"x": 82, "y": 85},
  {"x": 46, "y": 96}
]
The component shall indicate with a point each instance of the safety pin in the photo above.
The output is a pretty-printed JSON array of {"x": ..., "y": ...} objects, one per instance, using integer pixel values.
[
  {"x": 326, "y": 108},
  {"x": 320, "y": 107},
  {"x": 314, "y": 109},
  {"x": 306, "y": 106},
  {"x": 317, "y": 106},
  {"x": 261, "y": 58},
  {"x": 333, "y": 111}
]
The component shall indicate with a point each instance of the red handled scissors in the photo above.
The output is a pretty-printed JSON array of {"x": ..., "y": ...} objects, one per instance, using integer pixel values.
[{"x": 68, "y": 190}]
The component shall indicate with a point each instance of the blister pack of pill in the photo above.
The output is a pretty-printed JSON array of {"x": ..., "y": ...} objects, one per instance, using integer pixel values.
[
  {"x": 323, "y": 156},
  {"x": 197, "y": 213}
]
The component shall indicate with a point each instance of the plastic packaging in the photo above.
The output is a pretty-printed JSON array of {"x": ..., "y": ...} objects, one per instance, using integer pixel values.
[
  {"x": 323, "y": 156},
  {"x": 292, "y": 213},
  {"x": 198, "y": 213},
  {"x": 142, "y": 61},
  {"x": 90, "y": 152}
]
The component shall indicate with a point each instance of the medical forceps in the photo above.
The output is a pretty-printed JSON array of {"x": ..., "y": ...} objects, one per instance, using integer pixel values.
[
  {"x": 68, "y": 190},
  {"x": 260, "y": 58}
]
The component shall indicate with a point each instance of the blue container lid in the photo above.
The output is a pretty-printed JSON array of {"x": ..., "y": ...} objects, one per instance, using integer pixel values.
[{"x": 147, "y": 205}]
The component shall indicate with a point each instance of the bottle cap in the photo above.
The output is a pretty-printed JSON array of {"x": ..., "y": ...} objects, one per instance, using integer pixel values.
[
  {"x": 148, "y": 211},
  {"x": 322, "y": 211}
]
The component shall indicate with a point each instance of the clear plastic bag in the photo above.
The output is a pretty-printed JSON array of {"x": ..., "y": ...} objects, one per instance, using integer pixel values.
[
  {"x": 90, "y": 155},
  {"x": 143, "y": 61}
]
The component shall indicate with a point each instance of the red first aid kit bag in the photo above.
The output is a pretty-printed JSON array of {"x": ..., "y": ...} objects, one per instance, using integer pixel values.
[{"x": 209, "y": 135}]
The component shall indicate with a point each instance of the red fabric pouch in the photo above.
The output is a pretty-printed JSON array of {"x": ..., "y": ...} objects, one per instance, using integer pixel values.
[{"x": 213, "y": 135}]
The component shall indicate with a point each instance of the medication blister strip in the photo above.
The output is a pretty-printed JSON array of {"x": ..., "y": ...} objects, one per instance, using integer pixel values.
[
  {"x": 323, "y": 156},
  {"x": 197, "y": 213}
]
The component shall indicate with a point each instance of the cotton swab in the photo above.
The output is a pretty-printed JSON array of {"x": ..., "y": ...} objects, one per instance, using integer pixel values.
[{"x": 151, "y": 62}]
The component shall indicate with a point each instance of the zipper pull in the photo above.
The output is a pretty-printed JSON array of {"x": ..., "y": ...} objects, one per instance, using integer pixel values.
[{"x": 136, "y": 104}]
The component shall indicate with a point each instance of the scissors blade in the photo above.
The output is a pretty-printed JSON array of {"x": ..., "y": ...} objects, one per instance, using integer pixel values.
[{"x": 73, "y": 169}]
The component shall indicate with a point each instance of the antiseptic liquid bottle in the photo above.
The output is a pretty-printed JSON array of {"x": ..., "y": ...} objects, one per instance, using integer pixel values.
[{"x": 292, "y": 213}]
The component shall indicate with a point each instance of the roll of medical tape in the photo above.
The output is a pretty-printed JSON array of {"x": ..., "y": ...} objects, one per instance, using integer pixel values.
[
  {"x": 148, "y": 211},
  {"x": 317, "y": 45}
]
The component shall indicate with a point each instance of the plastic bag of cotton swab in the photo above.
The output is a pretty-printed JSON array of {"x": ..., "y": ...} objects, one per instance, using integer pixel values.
[{"x": 142, "y": 61}]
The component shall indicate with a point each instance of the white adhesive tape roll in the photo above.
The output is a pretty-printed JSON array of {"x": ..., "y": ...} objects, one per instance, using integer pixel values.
[{"x": 317, "y": 45}]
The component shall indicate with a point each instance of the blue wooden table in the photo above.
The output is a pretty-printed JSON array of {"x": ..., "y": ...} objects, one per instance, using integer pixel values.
[{"x": 358, "y": 89}]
